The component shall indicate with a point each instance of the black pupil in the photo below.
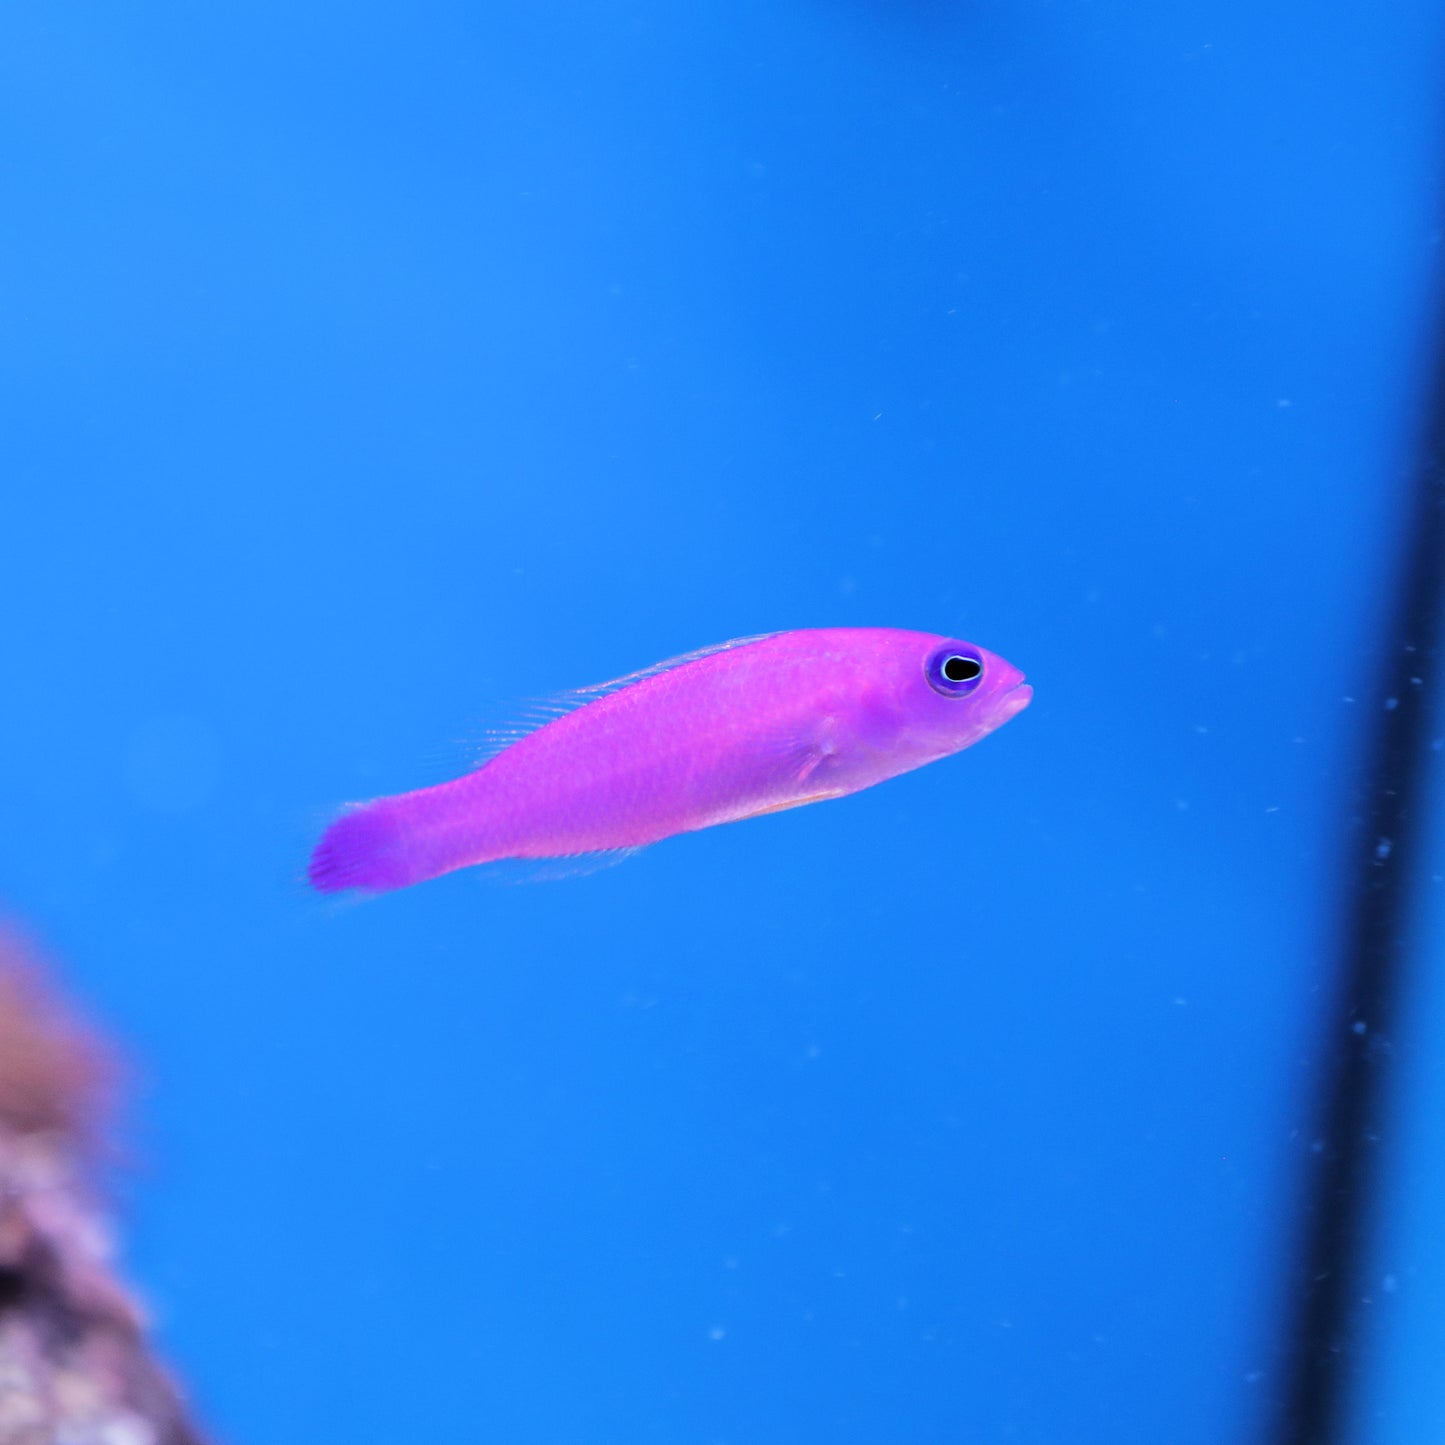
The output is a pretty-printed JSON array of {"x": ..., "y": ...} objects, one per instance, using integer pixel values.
[{"x": 961, "y": 669}]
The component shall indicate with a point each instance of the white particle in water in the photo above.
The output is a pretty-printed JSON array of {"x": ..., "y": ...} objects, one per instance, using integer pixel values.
[{"x": 1383, "y": 849}]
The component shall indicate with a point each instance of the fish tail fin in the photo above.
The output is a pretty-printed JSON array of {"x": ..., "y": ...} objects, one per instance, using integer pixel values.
[
  {"x": 367, "y": 848},
  {"x": 405, "y": 839}
]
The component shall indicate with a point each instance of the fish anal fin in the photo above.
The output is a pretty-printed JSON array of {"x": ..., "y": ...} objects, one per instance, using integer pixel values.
[{"x": 553, "y": 869}]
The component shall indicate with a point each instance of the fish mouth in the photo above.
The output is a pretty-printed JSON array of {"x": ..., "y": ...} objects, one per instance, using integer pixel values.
[{"x": 1015, "y": 700}]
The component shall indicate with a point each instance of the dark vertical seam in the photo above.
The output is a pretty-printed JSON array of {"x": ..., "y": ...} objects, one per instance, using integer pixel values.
[{"x": 1384, "y": 871}]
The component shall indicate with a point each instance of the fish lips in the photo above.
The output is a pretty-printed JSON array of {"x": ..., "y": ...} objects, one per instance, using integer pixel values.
[{"x": 1014, "y": 701}]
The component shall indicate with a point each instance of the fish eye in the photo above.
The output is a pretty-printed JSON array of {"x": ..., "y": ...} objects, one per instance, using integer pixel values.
[{"x": 954, "y": 671}]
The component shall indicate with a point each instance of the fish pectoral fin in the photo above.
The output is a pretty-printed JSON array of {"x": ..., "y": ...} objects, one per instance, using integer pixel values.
[
  {"x": 806, "y": 752},
  {"x": 808, "y": 764}
]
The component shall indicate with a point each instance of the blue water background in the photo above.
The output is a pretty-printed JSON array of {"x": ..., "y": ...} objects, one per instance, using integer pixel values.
[{"x": 368, "y": 371}]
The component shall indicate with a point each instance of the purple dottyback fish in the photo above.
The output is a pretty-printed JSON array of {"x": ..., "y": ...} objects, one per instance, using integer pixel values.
[{"x": 731, "y": 732}]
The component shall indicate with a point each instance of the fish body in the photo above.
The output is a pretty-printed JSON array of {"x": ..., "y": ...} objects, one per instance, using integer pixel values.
[{"x": 746, "y": 728}]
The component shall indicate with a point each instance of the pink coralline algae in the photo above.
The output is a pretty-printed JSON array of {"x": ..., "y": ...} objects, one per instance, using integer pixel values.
[{"x": 74, "y": 1363}]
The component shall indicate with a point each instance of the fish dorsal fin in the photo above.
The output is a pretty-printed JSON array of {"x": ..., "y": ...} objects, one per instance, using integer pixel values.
[
  {"x": 580, "y": 697},
  {"x": 538, "y": 712}
]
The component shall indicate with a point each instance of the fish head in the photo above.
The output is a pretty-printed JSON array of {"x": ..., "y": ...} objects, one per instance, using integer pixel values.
[{"x": 952, "y": 693}]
